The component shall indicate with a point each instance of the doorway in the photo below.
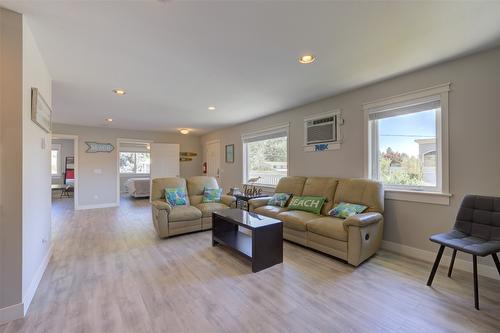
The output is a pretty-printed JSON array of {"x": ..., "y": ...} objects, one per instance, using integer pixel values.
[
  {"x": 139, "y": 161},
  {"x": 213, "y": 159},
  {"x": 64, "y": 175}
]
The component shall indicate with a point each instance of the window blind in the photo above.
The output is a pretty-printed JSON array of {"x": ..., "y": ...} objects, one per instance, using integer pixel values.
[
  {"x": 403, "y": 110},
  {"x": 265, "y": 135}
]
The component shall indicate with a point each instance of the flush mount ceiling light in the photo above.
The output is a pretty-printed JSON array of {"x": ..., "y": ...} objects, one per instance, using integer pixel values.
[
  {"x": 211, "y": 108},
  {"x": 119, "y": 92},
  {"x": 109, "y": 120},
  {"x": 184, "y": 131},
  {"x": 307, "y": 59}
]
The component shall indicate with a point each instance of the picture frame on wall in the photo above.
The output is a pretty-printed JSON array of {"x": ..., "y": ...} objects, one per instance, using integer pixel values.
[
  {"x": 41, "y": 114},
  {"x": 230, "y": 153}
]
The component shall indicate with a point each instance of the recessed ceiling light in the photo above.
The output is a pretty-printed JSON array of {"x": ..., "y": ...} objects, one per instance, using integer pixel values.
[
  {"x": 109, "y": 120},
  {"x": 120, "y": 92},
  {"x": 307, "y": 59},
  {"x": 184, "y": 131},
  {"x": 211, "y": 108}
]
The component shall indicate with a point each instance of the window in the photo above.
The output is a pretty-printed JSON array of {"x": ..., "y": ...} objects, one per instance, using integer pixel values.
[
  {"x": 134, "y": 162},
  {"x": 265, "y": 156},
  {"x": 407, "y": 147},
  {"x": 55, "y": 160}
]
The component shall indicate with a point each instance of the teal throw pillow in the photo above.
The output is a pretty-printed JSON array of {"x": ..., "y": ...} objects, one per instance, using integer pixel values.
[
  {"x": 211, "y": 195},
  {"x": 307, "y": 204},
  {"x": 176, "y": 196},
  {"x": 344, "y": 209},
  {"x": 279, "y": 199}
]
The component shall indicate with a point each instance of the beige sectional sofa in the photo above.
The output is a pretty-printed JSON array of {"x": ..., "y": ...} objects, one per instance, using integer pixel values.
[
  {"x": 354, "y": 239},
  {"x": 174, "y": 220}
]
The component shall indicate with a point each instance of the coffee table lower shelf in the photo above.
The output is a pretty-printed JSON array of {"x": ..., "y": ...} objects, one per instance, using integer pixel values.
[{"x": 237, "y": 241}]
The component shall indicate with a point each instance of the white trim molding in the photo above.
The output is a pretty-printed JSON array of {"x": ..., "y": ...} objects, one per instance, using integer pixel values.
[
  {"x": 437, "y": 198},
  {"x": 11, "y": 312},
  {"x": 30, "y": 293},
  {"x": 428, "y": 256},
  {"x": 439, "y": 194}
]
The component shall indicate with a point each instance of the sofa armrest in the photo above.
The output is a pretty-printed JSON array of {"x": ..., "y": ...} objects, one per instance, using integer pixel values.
[
  {"x": 258, "y": 202},
  {"x": 162, "y": 205},
  {"x": 364, "y": 219},
  {"x": 227, "y": 200}
]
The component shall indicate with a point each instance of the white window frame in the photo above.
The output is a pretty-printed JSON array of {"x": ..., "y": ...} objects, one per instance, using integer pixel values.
[
  {"x": 58, "y": 147},
  {"x": 135, "y": 163},
  {"x": 262, "y": 133},
  {"x": 438, "y": 195}
]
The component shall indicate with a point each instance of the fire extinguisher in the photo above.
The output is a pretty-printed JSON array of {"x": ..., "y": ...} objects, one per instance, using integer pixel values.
[{"x": 204, "y": 167}]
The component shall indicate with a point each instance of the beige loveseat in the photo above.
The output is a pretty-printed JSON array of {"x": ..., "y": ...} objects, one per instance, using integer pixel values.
[
  {"x": 354, "y": 239},
  {"x": 174, "y": 220}
]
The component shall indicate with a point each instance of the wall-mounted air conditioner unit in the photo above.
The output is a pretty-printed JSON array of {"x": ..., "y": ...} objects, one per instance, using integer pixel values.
[{"x": 322, "y": 131}]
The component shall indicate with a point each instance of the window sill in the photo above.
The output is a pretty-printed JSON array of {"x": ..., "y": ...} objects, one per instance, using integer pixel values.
[{"x": 436, "y": 198}]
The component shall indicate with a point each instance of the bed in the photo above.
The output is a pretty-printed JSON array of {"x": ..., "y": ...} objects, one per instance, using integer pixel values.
[{"x": 138, "y": 187}]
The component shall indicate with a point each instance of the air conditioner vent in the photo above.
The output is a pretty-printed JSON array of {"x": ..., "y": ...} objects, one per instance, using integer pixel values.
[{"x": 321, "y": 130}]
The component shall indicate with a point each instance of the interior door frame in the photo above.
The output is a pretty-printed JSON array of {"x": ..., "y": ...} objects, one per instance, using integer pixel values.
[
  {"x": 56, "y": 136},
  {"x": 220, "y": 157},
  {"x": 118, "y": 143}
]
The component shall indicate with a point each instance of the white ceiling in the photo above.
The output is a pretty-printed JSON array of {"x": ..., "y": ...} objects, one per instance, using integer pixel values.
[{"x": 176, "y": 58}]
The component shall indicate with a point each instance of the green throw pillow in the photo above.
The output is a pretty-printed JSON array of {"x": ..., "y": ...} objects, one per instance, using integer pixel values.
[
  {"x": 279, "y": 199},
  {"x": 176, "y": 196},
  {"x": 211, "y": 195},
  {"x": 344, "y": 209},
  {"x": 307, "y": 204}
]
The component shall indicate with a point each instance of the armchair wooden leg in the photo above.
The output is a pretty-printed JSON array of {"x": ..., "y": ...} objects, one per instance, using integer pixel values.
[
  {"x": 452, "y": 262},
  {"x": 497, "y": 263},
  {"x": 476, "y": 289},
  {"x": 436, "y": 265}
]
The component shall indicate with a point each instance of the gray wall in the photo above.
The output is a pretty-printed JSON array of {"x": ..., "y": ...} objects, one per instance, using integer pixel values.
[
  {"x": 11, "y": 90},
  {"x": 104, "y": 184},
  {"x": 67, "y": 149},
  {"x": 474, "y": 117}
]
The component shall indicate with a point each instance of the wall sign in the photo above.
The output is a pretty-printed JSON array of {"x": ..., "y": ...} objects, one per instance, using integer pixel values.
[
  {"x": 322, "y": 147},
  {"x": 95, "y": 147},
  {"x": 41, "y": 114}
]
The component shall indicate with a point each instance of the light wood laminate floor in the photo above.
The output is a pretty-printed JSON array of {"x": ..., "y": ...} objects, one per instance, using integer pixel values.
[{"x": 110, "y": 273}]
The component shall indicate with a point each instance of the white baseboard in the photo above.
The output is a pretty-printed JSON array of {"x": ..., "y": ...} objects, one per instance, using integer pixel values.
[
  {"x": 428, "y": 256},
  {"x": 30, "y": 293},
  {"x": 105, "y": 205},
  {"x": 12, "y": 312},
  {"x": 19, "y": 310}
]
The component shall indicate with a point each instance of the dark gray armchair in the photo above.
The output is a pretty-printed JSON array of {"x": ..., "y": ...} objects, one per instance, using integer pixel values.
[{"x": 476, "y": 231}]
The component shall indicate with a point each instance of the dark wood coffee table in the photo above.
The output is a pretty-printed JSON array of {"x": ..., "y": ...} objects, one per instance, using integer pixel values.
[{"x": 264, "y": 248}]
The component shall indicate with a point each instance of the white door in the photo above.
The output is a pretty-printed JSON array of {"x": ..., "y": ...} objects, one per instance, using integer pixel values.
[
  {"x": 164, "y": 160},
  {"x": 213, "y": 160}
]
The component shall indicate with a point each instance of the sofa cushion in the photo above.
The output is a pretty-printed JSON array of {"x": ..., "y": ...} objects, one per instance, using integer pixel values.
[
  {"x": 291, "y": 184},
  {"x": 208, "y": 208},
  {"x": 196, "y": 185},
  {"x": 211, "y": 195},
  {"x": 176, "y": 196},
  {"x": 361, "y": 191},
  {"x": 296, "y": 219},
  {"x": 269, "y": 211},
  {"x": 159, "y": 184},
  {"x": 321, "y": 187},
  {"x": 279, "y": 199},
  {"x": 307, "y": 204},
  {"x": 184, "y": 213},
  {"x": 344, "y": 210},
  {"x": 331, "y": 227}
]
